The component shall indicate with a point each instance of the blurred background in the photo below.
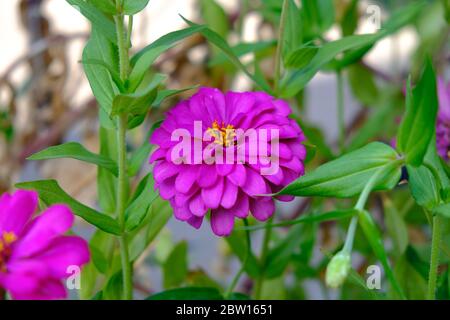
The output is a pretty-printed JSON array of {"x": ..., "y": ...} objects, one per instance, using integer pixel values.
[{"x": 45, "y": 98}]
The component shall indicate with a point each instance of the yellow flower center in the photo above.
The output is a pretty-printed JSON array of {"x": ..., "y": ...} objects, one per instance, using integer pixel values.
[
  {"x": 223, "y": 135},
  {"x": 6, "y": 240}
]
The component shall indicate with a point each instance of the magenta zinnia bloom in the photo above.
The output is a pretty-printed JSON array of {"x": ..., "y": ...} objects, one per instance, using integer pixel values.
[
  {"x": 443, "y": 120},
  {"x": 34, "y": 253},
  {"x": 233, "y": 188}
]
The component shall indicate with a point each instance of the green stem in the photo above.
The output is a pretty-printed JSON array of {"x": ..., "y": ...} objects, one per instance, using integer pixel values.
[
  {"x": 122, "y": 188},
  {"x": 264, "y": 253},
  {"x": 280, "y": 45},
  {"x": 341, "y": 111},
  {"x": 434, "y": 259},
  {"x": 243, "y": 265}
]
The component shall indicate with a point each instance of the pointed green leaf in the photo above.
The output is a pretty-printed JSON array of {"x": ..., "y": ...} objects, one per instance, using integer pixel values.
[
  {"x": 218, "y": 41},
  {"x": 143, "y": 60},
  {"x": 347, "y": 176},
  {"x": 418, "y": 126},
  {"x": 131, "y": 7},
  {"x": 75, "y": 150},
  {"x": 97, "y": 18},
  {"x": 137, "y": 103},
  {"x": 51, "y": 193}
]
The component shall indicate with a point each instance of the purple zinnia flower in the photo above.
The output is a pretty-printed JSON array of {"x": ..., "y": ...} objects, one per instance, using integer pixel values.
[
  {"x": 34, "y": 253},
  {"x": 443, "y": 120},
  {"x": 232, "y": 188}
]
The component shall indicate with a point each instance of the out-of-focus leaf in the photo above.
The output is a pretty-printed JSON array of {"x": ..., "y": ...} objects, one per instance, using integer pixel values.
[
  {"x": 107, "y": 6},
  {"x": 51, "y": 193},
  {"x": 350, "y": 18},
  {"x": 189, "y": 293},
  {"x": 418, "y": 125},
  {"x": 161, "y": 211},
  {"x": 347, "y": 175},
  {"x": 363, "y": 85},
  {"x": 140, "y": 205},
  {"x": 242, "y": 49},
  {"x": 292, "y": 36},
  {"x": 238, "y": 244},
  {"x": 175, "y": 268},
  {"x": 317, "y": 16},
  {"x": 376, "y": 242},
  {"x": 114, "y": 287},
  {"x": 301, "y": 57},
  {"x": 396, "y": 226},
  {"x": 215, "y": 17},
  {"x": 141, "y": 154},
  {"x": 75, "y": 150},
  {"x": 131, "y": 7}
]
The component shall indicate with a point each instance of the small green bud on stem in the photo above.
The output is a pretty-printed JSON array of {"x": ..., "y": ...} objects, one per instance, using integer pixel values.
[{"x": 337, "y": 269}]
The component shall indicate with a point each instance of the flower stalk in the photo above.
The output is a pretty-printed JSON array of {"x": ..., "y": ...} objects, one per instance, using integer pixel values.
[
  {"x": 122, "y": 188},
  {"x": 434, "y": 259}
]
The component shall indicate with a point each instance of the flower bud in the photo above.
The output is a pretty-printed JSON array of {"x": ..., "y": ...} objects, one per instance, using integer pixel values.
[{"x": 337, "y": 269}]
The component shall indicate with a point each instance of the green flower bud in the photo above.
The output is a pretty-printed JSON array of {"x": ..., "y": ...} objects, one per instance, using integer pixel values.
[{"x": 337, "y": 269}]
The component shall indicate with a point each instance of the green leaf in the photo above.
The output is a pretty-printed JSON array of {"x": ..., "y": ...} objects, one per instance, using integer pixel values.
[
  {"x": 353, "y": 47},
  {"x": 301, "y": 57},
  {"x": 295, "y": 80},
  {"x": 215, "y": 17},
  {"x": 51, "y": 193},
  {"x": 161, "y": 212},
  {"x": 114, "y": 287},
  {"x": 144, "y": 59},
  {"x": 131, "y": 7},
  {"x": 164, "y": 94},
  {"x": 238, "y": 244},
  {"x": 317, "y": 16},
  {"x": 396, "y": 226},
  {"x": 363, "y": 84},
  {"x": 107, "y": 6},
  {"x": 97, "y": 18},
  {"x": 292, "y": 36},
  {"x": 241, "y": 49},
  {"x": 137, "y": 103},
  {"x": 350, "y": 18},
  {"x": 143, "y": 152},
  {"x": 374, "y": 237},
  {"x": 175, "y": 268},
  {"x": 112, "y": 72},
  {"x": 100, "y": 79},
  {"x": 218, "y": 41},
  {"x": 189, "y": 293},
  {"x": 423, "y": 187},
  {"x": 75, "y": 150},
  {"x": 443, "y": 210},
  {"x": 318, "y": 218},
  {"x": 346, "y": 176},
  {"x": 280, "y": 256},
  {"x": 418, "y": 126},
  {"x": 141, "y": 202}
]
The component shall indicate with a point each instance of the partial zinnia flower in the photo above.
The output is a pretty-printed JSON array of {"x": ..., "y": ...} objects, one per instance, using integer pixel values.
[
  {"x": 443, "y": 120},
  {"x": 34, "y": 252},
  {"x": 242, "y": 146}
]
